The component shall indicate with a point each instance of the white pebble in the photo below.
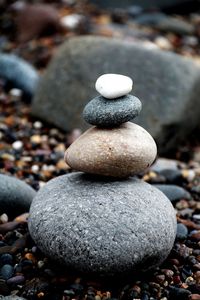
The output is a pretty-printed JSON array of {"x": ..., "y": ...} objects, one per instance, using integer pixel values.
[
  {"x": 4, "y": 218},
  {"x": 35, "y": 168},
  {"x": 196, "y": 217},
  {"x": 17, "y": 145},
  {"x": 41, "y": 184},
  {"x": 16, "y": 93},
  {"x": 163, "y": 43},
  {"x": 37, "y": 125},
  {"x": 71, "y": 21},
  {"x": 112, "y": 86}
]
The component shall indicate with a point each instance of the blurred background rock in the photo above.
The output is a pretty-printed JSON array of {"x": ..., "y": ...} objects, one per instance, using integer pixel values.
[{"x": 140, "y": 35}]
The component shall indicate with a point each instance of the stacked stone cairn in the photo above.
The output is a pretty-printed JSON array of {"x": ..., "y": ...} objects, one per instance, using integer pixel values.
[{"x": 102, "y": 220}]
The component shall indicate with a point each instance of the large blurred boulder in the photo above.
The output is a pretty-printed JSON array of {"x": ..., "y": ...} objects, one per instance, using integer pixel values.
[
  {"x": 167, "y": 84},
  {"x": 163, "y": 4}
]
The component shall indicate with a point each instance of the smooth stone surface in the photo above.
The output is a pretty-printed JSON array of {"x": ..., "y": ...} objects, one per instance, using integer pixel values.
[
  {"x": 165, "y": 23},
  {"x": 112, "y": 86},
  {"x": 106, "y": 113},
  {"x": 167, "y": 84},
  {"x": 111, "y": 4},
  {"x": 173, "y": 192},
  {"x": 19, "y": 74},
  {"x": 164, "y": 163},
  {"x": 15, "y": 196},
  {"x": 102, "y": 226},
  {"x": 11, "y": 298},
  {"x": 182, "y": 232},
  {"x": 6, "y": 272},
  {"x": 118, "y": 152}
]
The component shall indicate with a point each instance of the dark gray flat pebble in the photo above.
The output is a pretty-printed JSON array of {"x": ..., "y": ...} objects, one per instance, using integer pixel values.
[
  {"x": 178, "y": 293},
  {"x": 173, "y": 192},
  {"x": 108, "y": 113},
  {"x": 15, "y": 196},
  {"x": 6, "y": 272},
  {"x": 182, "y": 232},
  {"x": 6, "y": 258}
]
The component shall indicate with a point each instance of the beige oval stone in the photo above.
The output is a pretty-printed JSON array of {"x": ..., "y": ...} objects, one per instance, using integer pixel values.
[{"x": 117, "y": 152}]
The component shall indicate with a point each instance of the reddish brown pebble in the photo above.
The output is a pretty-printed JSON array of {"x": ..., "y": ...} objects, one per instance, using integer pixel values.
[
  {"x": 160, "y": 278},
  {"x": 33, "y": 20},
  {"x": 168, "y": 273},
  {"x": 197, "y": 266},
  {"x": 195, "y": 297},
  {"x": 176, "y": 279},
  {"x": 196, "y": 236},
  {"x": 189, "y": 223},
  {"x": 4, "y": 228}
]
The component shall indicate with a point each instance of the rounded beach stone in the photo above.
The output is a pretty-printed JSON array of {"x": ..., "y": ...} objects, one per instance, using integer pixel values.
[
  {"x": 118, "y": 152},
  {"x": 15, "y": 196},
  {"x": 13, "y": 297},
  {"x": 105, "y": 227},
  {"x": 105, "y": 113},
  {"x": 112, "y": 86}
]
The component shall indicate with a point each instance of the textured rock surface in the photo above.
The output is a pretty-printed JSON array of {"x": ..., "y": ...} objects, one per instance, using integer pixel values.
[
  {"x": 118, "y": 152},
  {"x": 112, "y": 86},
  {"x": 102, "y": 112},
  {"x": 167, "y": 84},
  {"x": 15, "y": 196},
  {"x": 108, "y": 227},
  {"x": 19, "y": 73}
]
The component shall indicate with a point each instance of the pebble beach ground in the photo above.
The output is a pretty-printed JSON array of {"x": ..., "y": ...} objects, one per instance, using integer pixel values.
[{"x": 33, "y": 152}]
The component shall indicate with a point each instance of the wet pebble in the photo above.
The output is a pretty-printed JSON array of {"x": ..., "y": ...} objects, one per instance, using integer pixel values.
[
  {"x": 196, "y": 217},
  {"x": 182, "y": 232},
  {"x": 6, "y": 272},
  {"x": 19, "y": 279},
  {"x": 6, "y": 259},
  {"x": 178, "y": 293},
  {"x": 173, "y": 192},
  {"x": 172, "y": 176}
]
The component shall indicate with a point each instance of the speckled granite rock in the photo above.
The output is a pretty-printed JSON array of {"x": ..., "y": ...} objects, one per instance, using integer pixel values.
[
  {"x": 15, "y": 196},
  {"x": 167, "y": 84},
  {"x": 119, "y": 152},
  {"x": 102, "y": 226},
  {"x": 109, "y": 113}
]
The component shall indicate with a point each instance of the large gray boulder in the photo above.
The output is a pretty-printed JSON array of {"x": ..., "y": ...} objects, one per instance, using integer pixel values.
[
  {"x": 108, "y": 227},
  {"x": 167, "y": 84}
]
